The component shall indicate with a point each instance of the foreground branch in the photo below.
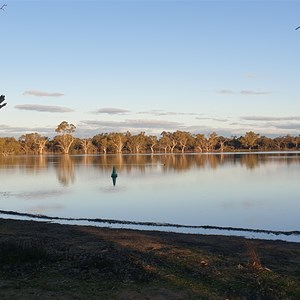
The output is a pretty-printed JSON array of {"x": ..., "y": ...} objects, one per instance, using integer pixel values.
[
  {"x": 2, "y": 7},
  {"x": 2, "y": 99}
]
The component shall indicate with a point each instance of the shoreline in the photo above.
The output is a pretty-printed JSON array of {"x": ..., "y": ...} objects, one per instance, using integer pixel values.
[
  {"x": 55, "y": 261},
  {"x": 139, "y": 225}
]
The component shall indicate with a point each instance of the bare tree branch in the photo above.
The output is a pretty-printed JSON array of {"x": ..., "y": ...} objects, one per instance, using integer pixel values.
[
  {"x": 2, "y": 7},
  {"x": 2, "y": 99},
  {"x": 297, "y": 27}
]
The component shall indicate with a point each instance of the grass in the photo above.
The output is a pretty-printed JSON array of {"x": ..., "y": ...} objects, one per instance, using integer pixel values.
[{"x": 51, "y": 261}]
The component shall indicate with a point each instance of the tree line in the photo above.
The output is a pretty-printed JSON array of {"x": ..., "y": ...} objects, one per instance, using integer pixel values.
[{"x": 116, "y": 142}]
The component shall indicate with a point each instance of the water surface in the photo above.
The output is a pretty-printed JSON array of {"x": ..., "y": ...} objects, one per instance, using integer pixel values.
[{"x": 258, "y": 191}]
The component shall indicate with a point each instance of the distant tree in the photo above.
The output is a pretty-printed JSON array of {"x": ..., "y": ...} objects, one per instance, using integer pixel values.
[
  {"x": 296, "y": 141},
  {"x": 66, "y": 138},
  {"x": 151, "y": 141},
  {"x": 164, "y": 142},
  {"x": 9, "y": 145},
  {"x": 169, "y": 139},
  {"x": 26, "y": 142},
  {"x": 212, "y": 141},
  {"x": 183, "y": 139},
  {"x": 33, "y": 143},
  {"x": 117, "y": 141},
  {"x": 41, "y": 142},
  {"x": 135, "y": 143},
  {"x": 86, "y": 145},
  {"x": 265, "y": 143},
  {"x": 279, "y": 143},
  {"x": 288, "y": 141},
  {"x": 200, "y": 142},
  {"x": 234, "y": 143},
  {"x": 250, "y": 139},
  {"x": 222, "y": 142},
  {"x": 101, "y": 142}
]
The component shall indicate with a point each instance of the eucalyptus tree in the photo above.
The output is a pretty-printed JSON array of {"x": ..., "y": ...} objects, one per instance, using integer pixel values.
[
  {"x": 222, "y": 141},
  {"x": 289, "y": 141},
  {"x": 168, "y": 140},
  {"x": 136, "y": 143},
  {"x": 101, "y": 142},
  {"x": 27, "y": 143},
  {"x": 41, "y": 142},
  {"x": 183, "y": 139},
  {"x": 199, "y": 142},
  {"x": 265, "y": 143},
  {"x": 66, "y": 139},
  {"x": 249, "y": 140},
  {"x": 117, "y": 140},
  {"x": 86, "y": 145},
  {"x": 151, "y": 142},
  {"x": 33, "y": 143},
  {"x": 164, "y": 142},
  {"x": 296, "y": 140},
  {"x": 279, "y": 142},
  {"x": 9, "y": 145},
  {"x": 212, "y": 141},
  {"x": 234, "y": 143}
]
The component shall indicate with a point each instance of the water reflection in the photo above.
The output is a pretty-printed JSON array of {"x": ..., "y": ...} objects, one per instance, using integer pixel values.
[
  {"x": 66, "y": 166},
  {"x": 238, "y": 189},
  {"x": 65, "y": 170}
]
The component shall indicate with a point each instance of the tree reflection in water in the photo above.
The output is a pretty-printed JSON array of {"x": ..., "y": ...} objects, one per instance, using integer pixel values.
[
  {"x": 65, "y": 170},
  {"x": 66, "y": 166}
]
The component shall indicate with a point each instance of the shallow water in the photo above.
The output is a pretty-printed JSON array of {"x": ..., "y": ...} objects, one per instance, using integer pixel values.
[{"x": 258, "y": 191}]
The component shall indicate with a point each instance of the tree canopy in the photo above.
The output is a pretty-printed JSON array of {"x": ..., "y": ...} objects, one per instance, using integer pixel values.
[{"x": 126, "y": 142}]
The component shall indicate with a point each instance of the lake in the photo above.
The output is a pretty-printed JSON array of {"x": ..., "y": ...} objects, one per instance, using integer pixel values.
[{"x": 240, "y": 190}]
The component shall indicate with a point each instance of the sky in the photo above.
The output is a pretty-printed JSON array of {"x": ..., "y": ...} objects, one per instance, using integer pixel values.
[{"x": 150, "y": 65}]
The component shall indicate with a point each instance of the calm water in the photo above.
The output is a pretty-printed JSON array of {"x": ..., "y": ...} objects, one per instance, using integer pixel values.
[{"x": 258, "y": 191}]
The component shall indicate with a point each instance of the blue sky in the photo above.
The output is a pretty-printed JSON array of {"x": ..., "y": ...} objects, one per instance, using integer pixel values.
[{"x": 198, "y": 66}]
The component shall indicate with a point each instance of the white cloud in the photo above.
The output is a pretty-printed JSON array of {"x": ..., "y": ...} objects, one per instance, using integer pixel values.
[
  {"x": 141, "y": 124},
  {"x": 213, "y": 119},
  {"x": 254, "y": 92},
  {"x": 267, "y": 119},
  {"x": 44, "y": 108},
  {"x": 41, "y": 94},
  {"x": 111, "y": 111},
  {"x": 16, "y": 131},
  {"x": 226, "y": 92},
  {"x": 158, "y": 112},
  {"x": 243, "y": 92}
]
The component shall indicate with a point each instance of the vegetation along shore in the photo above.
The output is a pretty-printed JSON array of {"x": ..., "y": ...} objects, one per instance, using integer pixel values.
[
  {"x": 119, "y": 142},
  {"x": 41, "y": 260}
]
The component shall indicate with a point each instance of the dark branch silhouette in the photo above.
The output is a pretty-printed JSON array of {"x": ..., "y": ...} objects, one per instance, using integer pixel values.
[
  {"x": 2, "y": 7},
  {"x": 297, "y": 27},
  {"x": 2, "y": 99}
]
